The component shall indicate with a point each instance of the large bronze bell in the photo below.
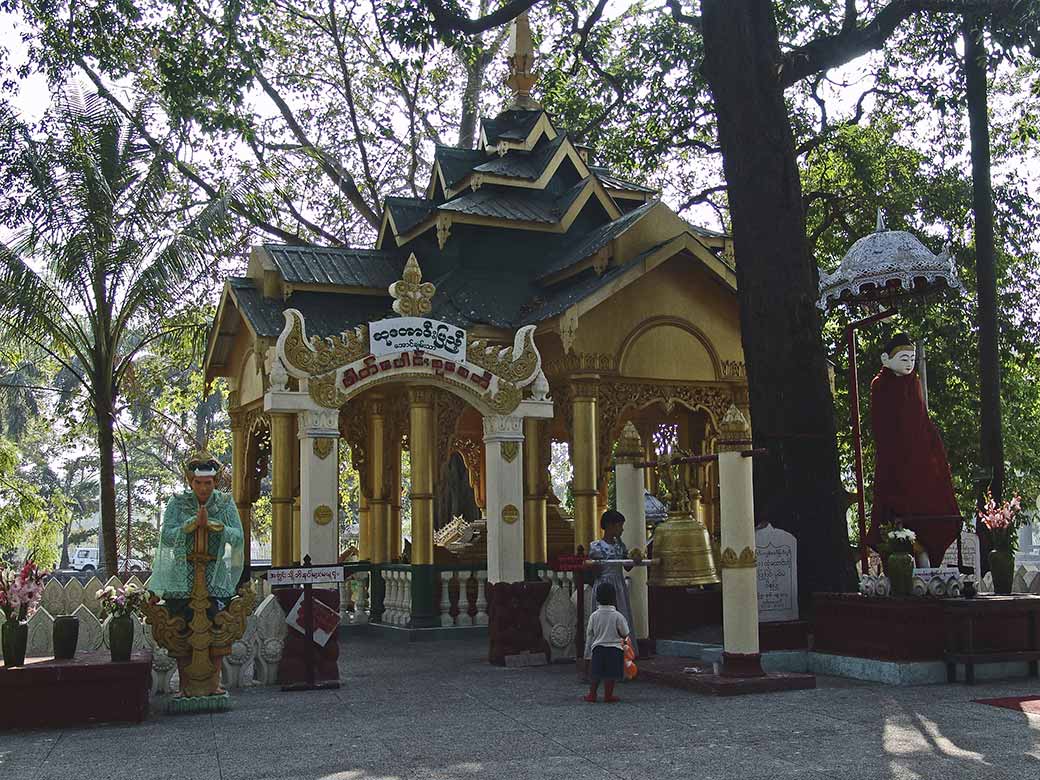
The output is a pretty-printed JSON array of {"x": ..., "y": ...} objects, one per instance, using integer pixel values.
[{"x": 683, "y": 554}]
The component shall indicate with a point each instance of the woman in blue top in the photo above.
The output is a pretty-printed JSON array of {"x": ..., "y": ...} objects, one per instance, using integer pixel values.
[{"x": 602, "y": 554}]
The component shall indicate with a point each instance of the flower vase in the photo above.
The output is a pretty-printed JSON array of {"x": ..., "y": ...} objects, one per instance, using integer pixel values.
[
  {"x": 1002, "y": 566},
  {"x": 120, "y": 638},
  {"x": 66, "y": 636},
  {"x": 901, "y": 572},
  {"x": 14, "y": 635}
]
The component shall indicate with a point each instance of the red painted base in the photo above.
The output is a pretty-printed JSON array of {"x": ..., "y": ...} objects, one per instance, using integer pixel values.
[
  {"x": 741, "y": 665},
  {"x": 669, "y": 671},
  {"x": 86, "y": 689}
]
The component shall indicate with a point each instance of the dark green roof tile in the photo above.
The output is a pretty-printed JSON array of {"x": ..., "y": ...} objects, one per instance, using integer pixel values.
[
  {"x": 335, "y": 265},
  {"x": 457, "y": 163},
  {"x": 325, "y": 313},
  {"x": 408, "y": 212},
  {"x": 593, "y": 241}
]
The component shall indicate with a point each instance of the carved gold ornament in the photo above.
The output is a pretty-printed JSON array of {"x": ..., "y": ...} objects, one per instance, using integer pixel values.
[
  {"x": 323, "y": 514},
  {"x": 412, "y": 296},
  {"x": 518, "y": 365},
  {"x": 315, "y": 356},
  {"x": 323, "y": 447},
  {"x": 747, "y": 559},
  {"x": 510, "y": 514},
  {"x": 510, "y": 449}
]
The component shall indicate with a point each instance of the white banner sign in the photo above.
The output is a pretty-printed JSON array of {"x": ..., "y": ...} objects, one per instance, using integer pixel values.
[
  {"x": 305, "y": 575},
  {"x": 406, "y": 334}
]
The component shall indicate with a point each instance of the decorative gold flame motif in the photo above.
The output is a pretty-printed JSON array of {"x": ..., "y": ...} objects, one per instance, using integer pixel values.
[{"x": 412, "y": 296}]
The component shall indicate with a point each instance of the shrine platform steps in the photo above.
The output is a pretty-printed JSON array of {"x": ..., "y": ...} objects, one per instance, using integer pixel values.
[{"x": 847, "y": 666}]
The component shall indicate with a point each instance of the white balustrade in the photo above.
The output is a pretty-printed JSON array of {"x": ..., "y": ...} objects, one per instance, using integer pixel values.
[
  {"x": 406, "y": 598},
  {"x": 361, "y": 603},
  {"x": 464, "y": 618},
  {"x": 481, "y": 618},
  {"x": 445, "y": 606}
]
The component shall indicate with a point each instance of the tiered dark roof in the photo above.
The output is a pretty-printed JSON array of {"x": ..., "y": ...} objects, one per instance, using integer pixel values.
[{"x": 507, "y": 232}]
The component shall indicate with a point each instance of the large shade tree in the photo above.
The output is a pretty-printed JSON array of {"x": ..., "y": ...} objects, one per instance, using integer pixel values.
[{"x": 94, "y": 265}]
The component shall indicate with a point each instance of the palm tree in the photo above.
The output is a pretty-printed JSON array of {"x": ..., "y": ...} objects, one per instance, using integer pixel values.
[{"x": 95, "y": 271}]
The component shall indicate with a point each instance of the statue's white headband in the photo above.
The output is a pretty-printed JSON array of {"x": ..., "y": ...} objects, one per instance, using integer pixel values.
[{"x": 203, "y": 471}]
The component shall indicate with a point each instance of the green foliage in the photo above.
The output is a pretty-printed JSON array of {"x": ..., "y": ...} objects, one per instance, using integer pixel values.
[{"x": 29, "y": 522}]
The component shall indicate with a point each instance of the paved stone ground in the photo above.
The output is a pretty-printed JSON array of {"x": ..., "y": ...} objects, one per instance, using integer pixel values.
[{"x": 438, "y": 711}]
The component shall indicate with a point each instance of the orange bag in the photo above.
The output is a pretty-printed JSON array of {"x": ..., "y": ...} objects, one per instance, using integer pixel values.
[{"x": 631, "y": 670}]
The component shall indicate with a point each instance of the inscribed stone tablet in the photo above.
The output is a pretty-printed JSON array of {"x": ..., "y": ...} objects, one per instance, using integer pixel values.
[
  {"x": 969, "y": 552},
  {"x": 777, "y": 575}
]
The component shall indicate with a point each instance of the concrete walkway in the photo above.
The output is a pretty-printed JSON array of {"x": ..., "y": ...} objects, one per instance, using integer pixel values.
[{"x": 438, "y": 710}]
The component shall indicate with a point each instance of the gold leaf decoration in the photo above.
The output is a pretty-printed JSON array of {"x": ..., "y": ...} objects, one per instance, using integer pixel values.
[
  {"x": 412, "y": 296},
  {"x": 323, "y": 447},
  {"x": 168, "y": 632},
  {"x": 747, "y": 559},
  {"x": 499, "y": 360},
  {"x": 231, "y": 622},
  {"x": 316, "y": 356},
  {"x": 510, "y": 449}
]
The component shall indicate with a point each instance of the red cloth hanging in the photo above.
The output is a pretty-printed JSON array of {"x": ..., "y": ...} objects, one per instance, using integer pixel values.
[{"x": 912, "y": 481}]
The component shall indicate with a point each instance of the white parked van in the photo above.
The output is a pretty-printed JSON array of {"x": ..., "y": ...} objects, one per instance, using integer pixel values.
[{"x": 85, "y": 559}]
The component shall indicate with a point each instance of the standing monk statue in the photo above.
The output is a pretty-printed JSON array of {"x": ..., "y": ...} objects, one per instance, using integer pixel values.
[
  {"x": 912, "y": 482},
  {"x": 200, "y": 528}
]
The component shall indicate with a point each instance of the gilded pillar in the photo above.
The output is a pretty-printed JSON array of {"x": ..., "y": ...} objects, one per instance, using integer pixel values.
[
  {"x": 378, "y": 504},
  {"x": 583, "y": 457},
  {"x": 535, "y": 486},
  {"x": 422, "y": 437},
  {"x": 393, "y": 492},
  {"x": 364, "y": 527},
  {"x": 240, "y": 484},
  {"x": 282, "y": 446}
]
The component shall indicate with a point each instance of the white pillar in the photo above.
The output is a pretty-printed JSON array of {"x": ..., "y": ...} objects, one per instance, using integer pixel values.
[
  {"x": 740, "y": 656},
  {"x": 628, "y": 484},
  {"x": 319, "y": 485},
  {"x": 504, "y": 461}
]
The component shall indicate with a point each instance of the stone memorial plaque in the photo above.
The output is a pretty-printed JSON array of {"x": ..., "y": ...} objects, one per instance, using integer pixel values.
[
  {"x": 777, "y": 575},
  {"x": 969, "y": 552}
]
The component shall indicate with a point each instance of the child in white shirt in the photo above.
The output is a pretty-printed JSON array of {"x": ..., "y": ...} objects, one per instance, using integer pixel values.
[{"x": 604, "y": 644}]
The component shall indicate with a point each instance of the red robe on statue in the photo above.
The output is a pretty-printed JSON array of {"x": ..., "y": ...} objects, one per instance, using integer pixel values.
[{"x": 912, "y": 482}]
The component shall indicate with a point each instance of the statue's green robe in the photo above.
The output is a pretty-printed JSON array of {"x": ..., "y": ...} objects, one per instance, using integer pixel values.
[{"x": 172, "y": 573}]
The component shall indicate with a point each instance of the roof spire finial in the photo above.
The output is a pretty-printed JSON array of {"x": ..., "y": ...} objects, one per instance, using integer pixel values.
[
  {"x": 520, "y": 56},
  {"x": 880, "y": 222}
]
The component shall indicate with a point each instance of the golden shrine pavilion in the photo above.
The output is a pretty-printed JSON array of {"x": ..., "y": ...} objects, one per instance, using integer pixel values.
[{"x": 616, "y": 310}]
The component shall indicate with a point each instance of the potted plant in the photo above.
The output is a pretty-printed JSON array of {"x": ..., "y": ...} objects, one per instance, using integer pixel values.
[
  {"x": 1002, "y": 522},
  {"x": 901, "y": 560},
  {"x": 20, "y": 594},
  {"x": 121, "y": 603}
]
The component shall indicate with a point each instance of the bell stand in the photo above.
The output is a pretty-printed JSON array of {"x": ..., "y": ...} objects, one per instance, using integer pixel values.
[{"x": 857, "y": 434}]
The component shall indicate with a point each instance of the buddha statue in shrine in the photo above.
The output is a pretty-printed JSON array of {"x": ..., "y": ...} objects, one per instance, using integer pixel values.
[{"x": 912, "y": 481}]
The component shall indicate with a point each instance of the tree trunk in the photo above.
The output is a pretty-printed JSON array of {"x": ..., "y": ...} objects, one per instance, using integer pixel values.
[
  {"x": 64, "y": 563},
  {"x": 990, "y": 430},
  {"x": 797, "y": 485},
  {"x": 471, "y": 101},
  {"x": 104, "y": 406}
]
